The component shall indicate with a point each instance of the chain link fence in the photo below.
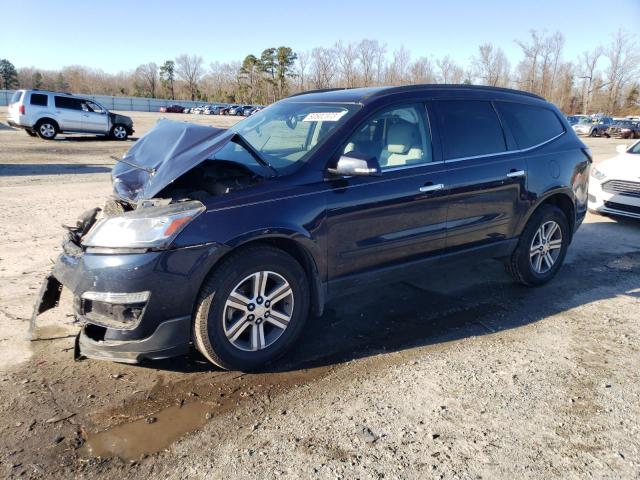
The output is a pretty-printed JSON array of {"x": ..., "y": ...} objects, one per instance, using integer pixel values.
[{"x": 132, "y": 104}]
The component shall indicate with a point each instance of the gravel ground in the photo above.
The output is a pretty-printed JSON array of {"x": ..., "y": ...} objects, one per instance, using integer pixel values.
[{"x": 457, "y": 374}]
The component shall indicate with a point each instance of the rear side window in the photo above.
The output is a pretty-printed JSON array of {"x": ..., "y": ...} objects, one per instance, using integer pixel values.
[
  {"x": 68, "y": 102},
  {"x": 39, "y": 99},
  {"x": 530, "y": 125},
  {"x": 16, "y": 97},
  {"x": 469, "y": 128}
]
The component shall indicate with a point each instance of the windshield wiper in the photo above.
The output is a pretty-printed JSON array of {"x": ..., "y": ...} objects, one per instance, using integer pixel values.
[
  {"x": 150, "y": 171},
  {"x": 240, "y": 140}
]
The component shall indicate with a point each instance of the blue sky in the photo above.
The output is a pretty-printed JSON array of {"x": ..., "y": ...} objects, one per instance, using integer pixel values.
[{"x": 121, "y": 35}]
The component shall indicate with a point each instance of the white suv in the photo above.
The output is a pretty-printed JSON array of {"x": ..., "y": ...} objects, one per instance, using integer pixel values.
[{"x": 46, "y": 114}]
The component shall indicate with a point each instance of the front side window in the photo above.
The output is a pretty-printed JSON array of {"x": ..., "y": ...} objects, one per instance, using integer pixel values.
[
  {"x": 39, "y": 99},
  {"x": 530, "y": 125},
  {"x": 287, "y": 133},
  {"x": 88, "y": 106},
  {"x": 397, "y": 137},
  {"x": 68, "y": 103},
  {"x": 469, "y": 128}
]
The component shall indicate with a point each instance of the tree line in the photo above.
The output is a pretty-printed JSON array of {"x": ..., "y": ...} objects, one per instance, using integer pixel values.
[{"x": 604, "y": 79}]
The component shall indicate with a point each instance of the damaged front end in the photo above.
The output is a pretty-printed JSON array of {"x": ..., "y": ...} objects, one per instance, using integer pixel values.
[{"x": 133, "y": 290}]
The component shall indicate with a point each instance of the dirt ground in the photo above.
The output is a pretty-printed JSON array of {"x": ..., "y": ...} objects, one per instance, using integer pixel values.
[{"x": 457, "y": 374}]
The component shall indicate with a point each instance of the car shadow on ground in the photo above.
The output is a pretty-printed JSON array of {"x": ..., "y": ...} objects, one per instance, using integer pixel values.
[
  {"x": 27, "y": 169},
  {"x": 450, "y": 304},
  {"x": 89, "y": 138}
]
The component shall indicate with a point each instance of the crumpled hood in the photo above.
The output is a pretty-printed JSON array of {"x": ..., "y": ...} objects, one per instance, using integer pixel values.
[{"x": 166, "y": 152}]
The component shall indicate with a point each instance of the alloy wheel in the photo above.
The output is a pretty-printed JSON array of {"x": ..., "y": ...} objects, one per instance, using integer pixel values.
[
  {"x": 47, "y": 130},
  {"x": 258, "y": 311},
  {"x": 119, "y": 132},
  {"x": 545, "y": 247}
]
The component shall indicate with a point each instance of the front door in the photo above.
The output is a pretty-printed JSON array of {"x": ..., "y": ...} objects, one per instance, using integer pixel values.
[
  {"x": 94, "y": 117},
  {"x": 378, "y": 221}
]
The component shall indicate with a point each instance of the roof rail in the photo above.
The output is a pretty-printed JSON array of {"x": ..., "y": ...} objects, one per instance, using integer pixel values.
[
  {"x": 319, "y": 90},
  {"x": 444, "y": 86}
]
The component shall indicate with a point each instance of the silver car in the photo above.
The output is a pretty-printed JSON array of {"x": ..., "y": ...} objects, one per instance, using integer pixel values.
[{"x": 47, "y": 114}]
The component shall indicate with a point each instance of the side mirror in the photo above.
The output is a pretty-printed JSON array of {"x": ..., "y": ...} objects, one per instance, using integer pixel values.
[
  {"x": 621, "y": 148},
  {"x": 354, "y": 164}
]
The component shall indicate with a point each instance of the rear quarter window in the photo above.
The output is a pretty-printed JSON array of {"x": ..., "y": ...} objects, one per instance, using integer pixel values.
[
  {"x": 530, "y": 125},
  {"x": 39, "y": 99},
  {"x": 68, "y": 102},
  {"x": 16, "y": 96},
  {"x": 469, "y": 128}
]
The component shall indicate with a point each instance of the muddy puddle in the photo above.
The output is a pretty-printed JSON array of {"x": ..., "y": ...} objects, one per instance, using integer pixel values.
[{"x": 194, "y": 405}]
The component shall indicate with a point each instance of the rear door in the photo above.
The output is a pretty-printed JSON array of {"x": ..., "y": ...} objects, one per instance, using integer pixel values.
[
  {"x": 68, "y": 112},
  {"x": 94, "y": 117},
  {"x": 487, "y": 192},
  {"x": 399, "y": 216}
]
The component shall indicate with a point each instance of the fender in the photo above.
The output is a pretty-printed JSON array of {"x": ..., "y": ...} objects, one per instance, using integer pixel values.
[
  {"x": 307, "y": 251},
  {"x": 563, "y": 190}
]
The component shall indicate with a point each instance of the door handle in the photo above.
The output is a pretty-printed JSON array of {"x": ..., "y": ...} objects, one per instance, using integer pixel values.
[
  {"x": 516, "y": 173},
  {"x": 431, "y": 187}
]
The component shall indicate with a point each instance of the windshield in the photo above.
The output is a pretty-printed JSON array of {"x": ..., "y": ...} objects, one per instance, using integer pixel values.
[{"x": 287, "y": 133}]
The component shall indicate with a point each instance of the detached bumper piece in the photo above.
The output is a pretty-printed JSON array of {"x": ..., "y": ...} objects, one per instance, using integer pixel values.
[
  {"x": 170, "y": 339},
  {"x": 48, "y": 298}
]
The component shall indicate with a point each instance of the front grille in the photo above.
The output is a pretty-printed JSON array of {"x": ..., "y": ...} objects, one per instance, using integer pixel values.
[
  {"x": 622, "y": 187},
  {"x": 621, "y": 207}
]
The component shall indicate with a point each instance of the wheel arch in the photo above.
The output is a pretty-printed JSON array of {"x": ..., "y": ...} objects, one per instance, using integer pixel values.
[
  {"x": 293, "y": 245},
  {"x": 52, "y": 120},
  {"x": 561, "y": 198}
]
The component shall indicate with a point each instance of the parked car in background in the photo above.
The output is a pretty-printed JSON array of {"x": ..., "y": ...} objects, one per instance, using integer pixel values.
[
  {"x": 624, "y": 129},
  {"x": 224, "y": 110},
  {"x": 247, "y": 109},
  {"x": 232, "y": 238},
  {"x": 257, "y": 109},
  {"x": 236, "y": 110},
  {"x": 593, "y": 127},
  {"x": 210, "y": 110},
  {"x": 46, "y": 114},
  {"x": 614, "y": 185},
  {"x": 186, "y": 110},
  {"x": 574, "y": 119},
  {"x": 172, "y": 109}
]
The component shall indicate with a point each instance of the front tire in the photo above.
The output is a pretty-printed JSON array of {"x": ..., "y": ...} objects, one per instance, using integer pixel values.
[
  {"x": 541, "y": 248},
  {"x": 119, "y": 132},
  {"x": 251, "y": 309},
  {"x": 47, "y": 129}
]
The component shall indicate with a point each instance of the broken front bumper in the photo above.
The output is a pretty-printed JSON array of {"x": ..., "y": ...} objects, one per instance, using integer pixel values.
[{"x": 133, "y": 306}]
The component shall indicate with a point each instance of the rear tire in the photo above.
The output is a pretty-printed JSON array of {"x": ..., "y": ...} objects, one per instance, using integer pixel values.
[
  {"x": 47, "y": 129},
  {"x": 541, "y": 248},
  {"x": 243, "y": 335}
]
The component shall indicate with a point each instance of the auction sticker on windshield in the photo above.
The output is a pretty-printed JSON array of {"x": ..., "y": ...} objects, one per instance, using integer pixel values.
[{"x": 324, "y": 116}]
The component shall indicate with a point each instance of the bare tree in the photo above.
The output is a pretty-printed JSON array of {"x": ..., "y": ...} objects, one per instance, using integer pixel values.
[
  {"x": 399, "y": 69},
  {"x": 623, "y": 64},
  {"x": 189, "y": 69},
  {"x": 322, "y": 67},
  {"x": 302, "y": 66},
  {"x": 367, "y": 53},
  {"x": 421, "y": 71},
  {"x": 346, "y": 60},
  {"x": 491, "y": 66},
  {"x": 450, "y": 71},
  {"x": 588, "y": 63},
  {"x": 147, "y": 78}
]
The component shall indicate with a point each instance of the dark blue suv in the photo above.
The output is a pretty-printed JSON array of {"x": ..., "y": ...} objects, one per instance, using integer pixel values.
[{"x": 230, "y": 239}]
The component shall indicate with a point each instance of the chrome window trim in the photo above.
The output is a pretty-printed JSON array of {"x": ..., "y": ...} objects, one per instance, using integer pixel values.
[
  {"x": 522, "y": 150},
  {"x": 416, "y": 165}
]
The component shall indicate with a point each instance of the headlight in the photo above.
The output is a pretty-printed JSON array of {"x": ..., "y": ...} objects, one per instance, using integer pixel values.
[
  {"x": 597, "y": 174},
  {"x": 151, "y": 227}
]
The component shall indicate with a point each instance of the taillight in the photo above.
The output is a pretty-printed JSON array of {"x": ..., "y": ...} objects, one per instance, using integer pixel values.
[{"x": 21, "y": 109}]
